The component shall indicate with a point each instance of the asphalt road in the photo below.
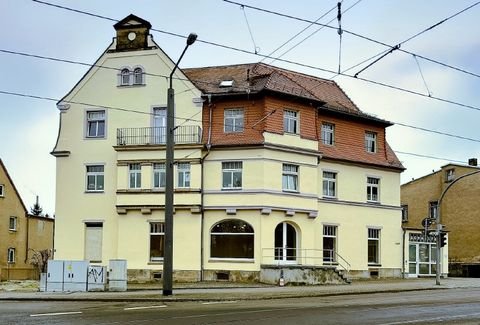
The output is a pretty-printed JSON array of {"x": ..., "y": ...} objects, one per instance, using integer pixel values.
[{"x": 452, "y": 306}]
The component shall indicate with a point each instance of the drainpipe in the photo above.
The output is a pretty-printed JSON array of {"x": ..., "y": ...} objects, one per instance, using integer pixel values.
[
  {"x": 26, "y": 242},
  {"x": 403, "y": 253},
  {"x": 202, "y": 161}
]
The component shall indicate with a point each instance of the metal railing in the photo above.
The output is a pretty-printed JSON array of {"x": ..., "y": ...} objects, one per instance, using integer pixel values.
[
  {"x": 304, "y": 256},
  {"x": 186, "y": 134}
]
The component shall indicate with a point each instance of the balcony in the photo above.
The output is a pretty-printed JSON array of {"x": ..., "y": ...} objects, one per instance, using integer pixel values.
[{"x": 187, "y": 134}]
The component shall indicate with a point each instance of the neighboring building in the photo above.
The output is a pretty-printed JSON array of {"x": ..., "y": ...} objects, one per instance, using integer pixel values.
[
  {"x": 21, "y": 234},
  {"x": 460, "y": 211},
  {"x": 276, "y": 169}
]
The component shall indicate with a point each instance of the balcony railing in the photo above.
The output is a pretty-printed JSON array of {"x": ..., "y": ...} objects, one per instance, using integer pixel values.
[{"x": 186, "y": 134}]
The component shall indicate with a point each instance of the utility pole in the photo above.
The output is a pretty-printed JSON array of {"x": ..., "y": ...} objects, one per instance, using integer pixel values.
[
  {"x": 440, "y": 226},
  {"x": 168, "y": 254}
]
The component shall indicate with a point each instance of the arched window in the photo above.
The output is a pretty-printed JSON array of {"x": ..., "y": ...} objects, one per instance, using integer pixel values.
[
  {"x": 231, "y": 239},
  {"x": 125, "y": 77},
  {"x": 138, "y": 76}
]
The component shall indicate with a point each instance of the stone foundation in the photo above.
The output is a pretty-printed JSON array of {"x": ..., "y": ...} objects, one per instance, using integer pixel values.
[
  {"x": 300, "y": 275},
  {"x": 148, "y": 276},
  {"x": 231, "y": 276},
  {"x": 376, "y": 273}
]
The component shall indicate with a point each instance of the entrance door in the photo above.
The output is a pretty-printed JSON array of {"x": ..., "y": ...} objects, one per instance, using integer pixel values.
[
  {"x": 422, "y": 259},
  {"x": 285, "y": 243},
  {"x": 159, "y": 124}
]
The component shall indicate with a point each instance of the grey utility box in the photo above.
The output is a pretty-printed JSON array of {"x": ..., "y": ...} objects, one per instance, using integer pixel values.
[
  {"x": 96, "y": 278},
  {"x": 117, "y": 275},
  {"x": 67, "y": 275}
]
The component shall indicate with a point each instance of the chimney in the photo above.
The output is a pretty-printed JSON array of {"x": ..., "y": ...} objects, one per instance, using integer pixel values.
[{"x": 473, "y": 162}]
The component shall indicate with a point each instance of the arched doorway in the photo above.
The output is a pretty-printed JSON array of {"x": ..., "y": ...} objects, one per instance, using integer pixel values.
[{"x": 285, "y": 243}]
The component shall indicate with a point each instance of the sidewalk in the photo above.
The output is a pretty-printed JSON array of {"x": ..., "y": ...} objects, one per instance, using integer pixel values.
[{"x": 214, "y": 291}]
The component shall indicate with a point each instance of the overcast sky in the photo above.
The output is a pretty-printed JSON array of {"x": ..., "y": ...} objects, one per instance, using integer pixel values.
[{"x": 29, "y": 126}]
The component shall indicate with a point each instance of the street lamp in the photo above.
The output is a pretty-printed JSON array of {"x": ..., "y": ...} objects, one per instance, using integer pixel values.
[
  {"x": 168, "y": 254},
  {"x": 439, "y": 225}
]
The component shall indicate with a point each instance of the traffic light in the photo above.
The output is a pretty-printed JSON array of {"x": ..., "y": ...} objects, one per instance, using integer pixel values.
[{"x": 443, "y": 238}]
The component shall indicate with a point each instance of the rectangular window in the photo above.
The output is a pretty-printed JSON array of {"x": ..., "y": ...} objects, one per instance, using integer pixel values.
[
  {"x": 11, "y": 255},
  {"x": 373, "y": 246},
  {"x": 329, "y": 184},
  {"x": 404, "y": 213},
  {"x": 328, "y": 134},
  {"x": 329, "y": 243},
  {"x": 95, "y": 178},
  {"x": 157, "y": 235},
  {"x": 290, "y": 177},
  {"x": 95, "y": 124},
  {"x": 449, "y": 175},
  {"x": 159, "y": 177},
  {"x": 233, "y": 120},
  {"x": 2, "y": 190},
  {"x": 373, "y": 189},
  {"x": 371, "y": 142},
  {"x": 183, "y": 170},
  {"x": 93, "y": 241},
  {"x": 232, "y": 175},
  {"x": 290, "y": 121},
  {"x": 12, "y": 225},
  {"x": 135, "y": 176},
  {"x": 433, "y": 209}
]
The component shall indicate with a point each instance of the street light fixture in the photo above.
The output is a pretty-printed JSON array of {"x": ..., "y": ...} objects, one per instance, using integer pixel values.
[{"x": 168, "y": 254}]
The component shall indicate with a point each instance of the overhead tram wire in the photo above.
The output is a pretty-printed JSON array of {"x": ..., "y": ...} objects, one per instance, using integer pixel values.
[
  {"x": 297, "y": 34},
  {"x": 295, "y": 63},
  {"x": 147, "y": 113},
  {"x": 397, "y": 47},
  {"x": 310, "y": 35},
  {"x": 255, "y": 47},
  {"x": 130, "y": 110},
  {"x": 359, "y": 35},
  {"x": 158, "y": 75}
]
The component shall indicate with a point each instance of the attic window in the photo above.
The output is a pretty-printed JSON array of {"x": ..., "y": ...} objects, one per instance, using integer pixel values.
[{"x": 226, "y": 83}]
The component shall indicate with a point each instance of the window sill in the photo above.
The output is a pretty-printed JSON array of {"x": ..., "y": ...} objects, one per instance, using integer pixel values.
[
  {"x": 231, "y": 260},
  {"x": 231, "y": 189},
  {"x": 332, "y": 198},
  {"x": 155, "y": 263},
  {"x": 95, "y": 138},
  {"x": 12, "y": 230},
  {"x": 374, "y": 202},
  {"x": 131, "y": 86},
  {"x": 94, "y": 192},
  {"x": 290, "y": 191},
  {"x": 374, "y": 265}
]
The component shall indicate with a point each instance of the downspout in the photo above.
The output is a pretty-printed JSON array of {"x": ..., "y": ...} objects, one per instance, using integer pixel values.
[
  {"x": 202, "y": 195},
  {"x": 403, "y": 252},
  {"x": 26, "y": 242}
]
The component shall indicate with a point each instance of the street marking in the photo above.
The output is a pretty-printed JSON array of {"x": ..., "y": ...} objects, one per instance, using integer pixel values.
[
  {"x": 434, "y": 319},
  {"x": 219, "y": 302},
  {"x": 144, "y": 307},
  {"x": 57, "y": 314}
]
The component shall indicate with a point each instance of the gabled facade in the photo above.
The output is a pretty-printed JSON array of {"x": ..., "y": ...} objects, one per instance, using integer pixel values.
[
  {"x": 459, "y": 214},
  {"x": 273, "y": 169},
  {"x": 21, "y": 234}
]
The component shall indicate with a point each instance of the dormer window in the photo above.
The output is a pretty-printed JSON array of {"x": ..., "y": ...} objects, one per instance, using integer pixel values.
[{"x": 226, "y": 83}]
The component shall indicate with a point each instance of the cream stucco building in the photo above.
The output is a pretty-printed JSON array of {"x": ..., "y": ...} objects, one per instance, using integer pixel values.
[{"x": 275, "y": 171}]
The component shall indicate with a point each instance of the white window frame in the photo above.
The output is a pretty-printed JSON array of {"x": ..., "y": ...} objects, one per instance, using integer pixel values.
[
  {"x": 156, "y": 229},
  {"x": 374, "y": 236},
  {"x": 373, "y": 183},
  {"x": 231, "y": 169},
  {"x": 233, "y": 120},
  {"x": 137, "y": 176},
  {"x": 158, "y": 170},
  {"x": 450, "y": 175},
  {"x": 370, "y": 141},
  {"x": 136, "y": 75},
  {"x": 11, "y": 255},
  {"x": 90, "y": 121},
  {"x": 328, "y": 133},
  {"x": 404, "y": 212},
  {"x": 290, "y": 174},
  {"x": 96, "y": 175},
  {"x": 183, "y": 175},
  {"x": 330, "y": 231},
  {"x": 125, "y": 77},
  {"x": 291, "y": 121},
  {"x": 433, "y": 209},
  {"x": 2, "y": 190},
  {"x": 329, "y": 181},
  {"x": 12, "y": 223}
]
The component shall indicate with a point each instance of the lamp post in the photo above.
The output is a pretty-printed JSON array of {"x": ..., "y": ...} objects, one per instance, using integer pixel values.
[
  {"x": 439, "y": 225},
  {"x": 168, "y": 254}
]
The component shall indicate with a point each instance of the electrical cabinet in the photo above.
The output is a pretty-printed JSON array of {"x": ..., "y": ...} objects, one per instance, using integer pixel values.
[
  {"x": 117, "y": 275},
  {"x": 96, "y": 278},
  {"x": 67, "y": 275}
]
